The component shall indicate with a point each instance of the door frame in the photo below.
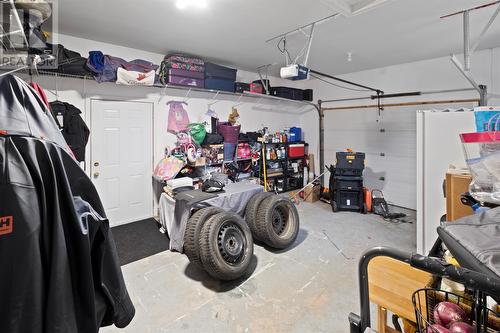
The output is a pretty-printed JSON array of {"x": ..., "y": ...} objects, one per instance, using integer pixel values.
[{"x": 88, "y": 121}]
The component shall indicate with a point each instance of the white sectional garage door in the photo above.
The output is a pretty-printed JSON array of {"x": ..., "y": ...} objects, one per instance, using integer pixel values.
[{"x": 394, "y": 136}]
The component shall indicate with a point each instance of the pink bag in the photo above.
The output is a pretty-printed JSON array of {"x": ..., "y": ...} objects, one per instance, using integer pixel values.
[
  {"x": 243, "y": 151},
  {"x": 178, "y": 118}
]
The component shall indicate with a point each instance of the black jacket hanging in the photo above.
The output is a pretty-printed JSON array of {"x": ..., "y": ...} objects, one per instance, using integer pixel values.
[
  {"x": 75, "y": 131},
  {"x": 58, "y": 260}
]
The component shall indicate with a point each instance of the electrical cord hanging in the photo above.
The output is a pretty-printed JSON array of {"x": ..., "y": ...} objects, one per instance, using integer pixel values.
[
  {"x": 338, "y": 85},
  {"x": 284, "y": 49}
]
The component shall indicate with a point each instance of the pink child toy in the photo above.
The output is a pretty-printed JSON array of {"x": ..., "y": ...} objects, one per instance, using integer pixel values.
[{"x": 178, "y": 118}]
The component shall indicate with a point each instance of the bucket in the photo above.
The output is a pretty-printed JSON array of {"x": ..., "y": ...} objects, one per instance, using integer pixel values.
[{"x": 229, "y": 132}]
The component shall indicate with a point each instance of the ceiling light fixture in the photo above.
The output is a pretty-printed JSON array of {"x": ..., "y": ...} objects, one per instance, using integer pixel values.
[
  {"x": 184, "y": 4},
  {"x": 353, "y": 7}
]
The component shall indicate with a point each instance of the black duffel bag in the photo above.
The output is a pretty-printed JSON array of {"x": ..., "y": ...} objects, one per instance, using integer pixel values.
[{"x": 213, "y": 139}]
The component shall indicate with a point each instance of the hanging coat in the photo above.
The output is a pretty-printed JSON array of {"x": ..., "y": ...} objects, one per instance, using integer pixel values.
[
  {"x": 73, "y": 128},
  {"x": 58, "y": 262}
]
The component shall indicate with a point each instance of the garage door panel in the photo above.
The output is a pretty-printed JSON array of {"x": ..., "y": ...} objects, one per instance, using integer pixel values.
[{"x": 394, "y": 136}]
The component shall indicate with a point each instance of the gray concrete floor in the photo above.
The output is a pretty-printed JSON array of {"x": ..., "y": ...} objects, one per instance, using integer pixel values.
[{"x": 311, "y": 287}]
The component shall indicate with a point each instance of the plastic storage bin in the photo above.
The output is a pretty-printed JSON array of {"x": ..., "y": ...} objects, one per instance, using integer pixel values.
[
  {"x": 296, "y": 150},
  {"x": 295, "y": 134}
]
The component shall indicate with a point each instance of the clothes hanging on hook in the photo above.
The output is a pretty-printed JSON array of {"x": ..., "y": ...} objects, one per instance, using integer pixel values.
[
  {"x": 40, "y": 92},
  {"x": 73, "y": 128},
  {"x": 178, "y": 118}
]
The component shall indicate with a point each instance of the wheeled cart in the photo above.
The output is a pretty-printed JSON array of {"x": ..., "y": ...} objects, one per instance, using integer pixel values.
[
  {"x": 479, "y": 273},
  {"x": 346, "y": 183}
]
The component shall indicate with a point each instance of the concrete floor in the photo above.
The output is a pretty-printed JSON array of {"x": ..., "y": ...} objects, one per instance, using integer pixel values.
[{"x": 309, "y": 288}]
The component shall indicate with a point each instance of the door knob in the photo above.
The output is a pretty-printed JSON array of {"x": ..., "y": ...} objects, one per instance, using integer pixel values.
[{"x": 96, "y": 174}]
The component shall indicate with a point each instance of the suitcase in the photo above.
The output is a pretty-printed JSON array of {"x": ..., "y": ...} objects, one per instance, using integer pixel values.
[
  {"x": 218, "y": 77},
  {"x": 215, "y": 71},
  {"x": 186, "y": 78},
  {"x": 257, "y": 86},
  {"x": 289, "y": 93},
  {"x": 240, "y": 87},
  {"x": 308, "y": 95},
  {"x": 219, "y": 84}
]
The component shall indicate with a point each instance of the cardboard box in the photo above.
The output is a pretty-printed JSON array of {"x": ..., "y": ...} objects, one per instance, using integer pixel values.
[
  {"x": 312, "y": 193},
  {"x": 457, "y": 183}
]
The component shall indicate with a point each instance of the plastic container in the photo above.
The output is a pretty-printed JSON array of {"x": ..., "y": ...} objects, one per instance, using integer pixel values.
[
  {"x": 295, "y": 134},
  {"x": 296, "y": 150},
  {"x": 482, "y": 154}
]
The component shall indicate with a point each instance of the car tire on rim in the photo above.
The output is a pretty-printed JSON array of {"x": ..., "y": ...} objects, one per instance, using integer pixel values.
[
  {"x": 226, "y": 246},
  {"x": 277, "y": 222},
  {"x": 192, "y": 233},
  {"x": 252, "y": 208}
]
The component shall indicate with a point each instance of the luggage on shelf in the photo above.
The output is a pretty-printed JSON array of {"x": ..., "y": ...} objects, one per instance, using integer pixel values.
[
  {"x": 258, "y": 86},
  {"x": 308, "y": 95},
  {"x": 219, "y": 84},
  {"x": 67, "y": 61},
  {"x": 185, "y": 62},
  {"x": 183, "y": 77},
  {"x": 289, "y": 93},
  {"x": 218, "y": 77},
  {"x": 240, "y": 87},
  {"x": 182, "y": 66}
]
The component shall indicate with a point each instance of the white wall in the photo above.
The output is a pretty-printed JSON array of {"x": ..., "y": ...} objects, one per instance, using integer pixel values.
[
  {"x": 360, "y": 130},
  {"x": 79, "y": 93}
]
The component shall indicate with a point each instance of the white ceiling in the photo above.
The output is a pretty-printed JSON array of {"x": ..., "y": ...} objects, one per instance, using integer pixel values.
[{"x": 234, "y": 31}]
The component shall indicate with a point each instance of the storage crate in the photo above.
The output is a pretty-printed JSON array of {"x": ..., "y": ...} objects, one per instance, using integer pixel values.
[
  {"x": 350, "y": 164},
  {"x": 296, "y": 150}
]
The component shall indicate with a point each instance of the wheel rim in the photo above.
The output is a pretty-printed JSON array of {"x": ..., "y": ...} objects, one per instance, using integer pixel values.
[
  {"x": 280, "y": 220},
  {"x": 231, "y": 243}
]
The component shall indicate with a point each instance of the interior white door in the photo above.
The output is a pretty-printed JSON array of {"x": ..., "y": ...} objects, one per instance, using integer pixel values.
[{"x": 122, "y": 158}]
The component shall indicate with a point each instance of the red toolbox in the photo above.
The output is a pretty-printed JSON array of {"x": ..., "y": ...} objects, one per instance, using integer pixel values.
[{"x": 296, "y": 150}]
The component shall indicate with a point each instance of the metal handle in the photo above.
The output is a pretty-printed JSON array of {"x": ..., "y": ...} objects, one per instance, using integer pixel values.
[
  {"x": 96, "y": 174},
  {"x": 470, "y": 279}
]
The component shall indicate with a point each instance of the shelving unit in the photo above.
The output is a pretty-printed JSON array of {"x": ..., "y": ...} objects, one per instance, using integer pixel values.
[
  {"x": 291, "y": 106},
  {"x": 284, "y": 166}
]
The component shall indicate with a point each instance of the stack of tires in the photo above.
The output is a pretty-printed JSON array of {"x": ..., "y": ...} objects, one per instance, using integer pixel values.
[
  {"x": 273, "y": 220},
  {"x": 222, "y": 242}
]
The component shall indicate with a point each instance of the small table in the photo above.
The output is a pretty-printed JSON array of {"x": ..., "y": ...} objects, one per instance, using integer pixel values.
[{"x": 174, "y": 219}]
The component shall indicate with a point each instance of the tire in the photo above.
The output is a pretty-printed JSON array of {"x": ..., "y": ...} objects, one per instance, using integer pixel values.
[
  {"x": 277, "y": 222},
  {"x": 192, "y": 233},
  {"x": 252, "y": 208},
  {"x": 226, "y": 246},
  {"x": 335, "y": 207}
]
